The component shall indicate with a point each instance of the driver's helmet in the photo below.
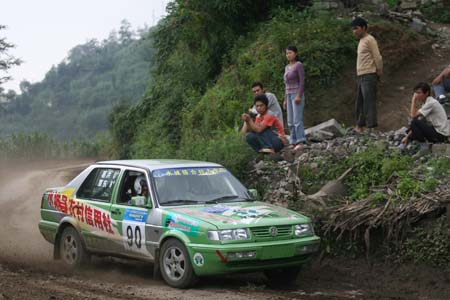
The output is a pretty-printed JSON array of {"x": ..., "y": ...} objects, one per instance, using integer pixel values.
[{"x": 138, "y": 183}]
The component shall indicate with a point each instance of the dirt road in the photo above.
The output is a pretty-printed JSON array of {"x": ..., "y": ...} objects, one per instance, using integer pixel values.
[{"x": 27, "y": 270}]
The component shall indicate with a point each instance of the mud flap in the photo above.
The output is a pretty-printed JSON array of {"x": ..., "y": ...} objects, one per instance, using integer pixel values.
[{"x": 156, "y": 267}]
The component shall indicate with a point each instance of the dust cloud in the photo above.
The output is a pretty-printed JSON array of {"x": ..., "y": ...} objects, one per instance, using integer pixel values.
[{"x": 21, "y": 187}]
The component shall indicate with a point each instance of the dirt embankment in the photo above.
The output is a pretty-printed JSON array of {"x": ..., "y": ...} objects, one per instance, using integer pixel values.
[
  {"x": 27, "y": 270},
  {"x": 408, "y": 58}
]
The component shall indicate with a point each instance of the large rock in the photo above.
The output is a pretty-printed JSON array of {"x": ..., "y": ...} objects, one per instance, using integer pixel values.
[
  {"x": 327, "y": 4},
  {"x": 326, "y": 130},
  {"x": 418, "y": 25},
  {"x": 408, "y": 4},
  {"x": 439, "y": 150},
  {"x": 333, "y": 189}
]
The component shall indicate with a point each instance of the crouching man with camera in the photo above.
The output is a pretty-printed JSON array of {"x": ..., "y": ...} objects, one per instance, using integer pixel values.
[{"x": 266, "y": 133}]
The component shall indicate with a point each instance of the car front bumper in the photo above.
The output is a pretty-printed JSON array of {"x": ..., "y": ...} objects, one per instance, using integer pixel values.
[{"x": 227, "y": 258}]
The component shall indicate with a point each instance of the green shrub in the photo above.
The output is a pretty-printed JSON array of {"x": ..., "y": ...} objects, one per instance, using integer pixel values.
[
  {"x": 39, "y": 146},
  {"x": 440, "y": 166},
  {"x": 392, "y": 3},
  {"x": 436, "y": 12},
  {"x": 393, "y": 164},
  {"x": 228, "y": 149},
  {"x": 430, "y": 184},
  {"x": 260, "y": 56},
  {"x": 428, "y": 245},
  {"x": 408, "y": 187}
]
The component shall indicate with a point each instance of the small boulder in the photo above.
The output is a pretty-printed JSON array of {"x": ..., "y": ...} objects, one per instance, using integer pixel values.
[
  {"x": 330, "y": 129},
  {"x": 332, "y": 189}
]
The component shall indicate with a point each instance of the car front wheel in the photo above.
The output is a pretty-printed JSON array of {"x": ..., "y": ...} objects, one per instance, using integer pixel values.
[
  {"x": 176, "y": 268},
  {"x": 71, "y": 249}
]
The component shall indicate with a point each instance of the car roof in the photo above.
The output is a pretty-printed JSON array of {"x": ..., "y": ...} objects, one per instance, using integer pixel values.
[{"x": 156, "y": 164}]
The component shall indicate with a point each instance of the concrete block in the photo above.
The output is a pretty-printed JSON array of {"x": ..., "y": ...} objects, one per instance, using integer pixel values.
[
  {"x": 330, "y": 126},
  {"x": 439, "y": 150},
  {"x": 401, "y": 131},
  {"x": 408, "y": 4}
]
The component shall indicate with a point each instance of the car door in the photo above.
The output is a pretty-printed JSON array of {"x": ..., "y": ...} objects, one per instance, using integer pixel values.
[
  {"x": 93, "y": 202},
  {"x": 130, "y": 217}
]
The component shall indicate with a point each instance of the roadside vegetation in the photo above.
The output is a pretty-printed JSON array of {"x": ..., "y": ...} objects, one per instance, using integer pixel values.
[
  {"x": 394, "y": 207},
  {"x": 39, "y": 146},
  {"x": 202, "y": 85},
  {"x": 178, "y": 90}
]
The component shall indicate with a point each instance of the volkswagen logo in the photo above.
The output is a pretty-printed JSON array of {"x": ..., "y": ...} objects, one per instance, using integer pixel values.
[{"x": 273, "y": 231}]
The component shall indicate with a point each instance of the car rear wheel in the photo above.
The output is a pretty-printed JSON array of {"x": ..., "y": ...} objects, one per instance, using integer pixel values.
[
  {"x": 282, "y": 275},
  {"x": 71, "y": 249},
  {"x": 176, "y": 267}
]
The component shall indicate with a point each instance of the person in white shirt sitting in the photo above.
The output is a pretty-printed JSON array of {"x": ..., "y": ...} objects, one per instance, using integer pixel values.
[{"x": 429, "y": 123}]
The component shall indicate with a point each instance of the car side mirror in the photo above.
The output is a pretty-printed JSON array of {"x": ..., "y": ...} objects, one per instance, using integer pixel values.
[
  {"x": 254, "y": 193},
  {"x": 140, "y": 201}
]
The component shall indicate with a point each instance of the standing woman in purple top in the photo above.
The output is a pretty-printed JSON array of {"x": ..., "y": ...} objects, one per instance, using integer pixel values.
[{"x": 294, "y": 97}]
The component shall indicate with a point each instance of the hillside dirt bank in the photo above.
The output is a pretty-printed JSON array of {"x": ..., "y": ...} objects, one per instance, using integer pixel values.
[
  {"x": 27, "y": 270},
  {"x": 408, "y": 59}
]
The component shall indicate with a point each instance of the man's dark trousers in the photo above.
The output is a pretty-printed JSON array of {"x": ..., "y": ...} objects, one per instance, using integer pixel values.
[
  {"x": 265, "y": 139},
  {"x": 422, "y": 131},
  {"x": 366, "y": 101}
]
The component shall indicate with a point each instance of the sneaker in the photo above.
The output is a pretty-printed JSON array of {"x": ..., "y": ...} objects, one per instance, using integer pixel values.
[
  {"x": 356, "y": 131},
  {"x": 298, "y": 147},
  {"x": 267, "y": 150},
  {"x": 401, "y": 147},
  {"x": 442, "y": 99}
]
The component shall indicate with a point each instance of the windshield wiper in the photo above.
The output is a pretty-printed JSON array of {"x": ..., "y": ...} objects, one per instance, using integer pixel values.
[
  {"x": 227, "y": 198},
  {"x": 180, "y": 201}
]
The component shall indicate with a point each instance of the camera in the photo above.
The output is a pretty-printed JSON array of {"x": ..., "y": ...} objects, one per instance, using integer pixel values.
[{"x": 252, "y": 115}]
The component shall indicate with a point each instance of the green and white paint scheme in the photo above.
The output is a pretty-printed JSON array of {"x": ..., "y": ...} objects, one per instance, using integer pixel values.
[{"x": 190, "y": 218}]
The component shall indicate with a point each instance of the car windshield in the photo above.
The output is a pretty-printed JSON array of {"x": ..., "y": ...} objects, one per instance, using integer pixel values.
[{"x": 198, "y": 185}]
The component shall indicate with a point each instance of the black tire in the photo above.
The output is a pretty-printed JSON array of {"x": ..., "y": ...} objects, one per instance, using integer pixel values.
[
  {"x": 175, "y": 265},
  {"x": 282, "y": 275},
  {"x": 71, "y": 249}
]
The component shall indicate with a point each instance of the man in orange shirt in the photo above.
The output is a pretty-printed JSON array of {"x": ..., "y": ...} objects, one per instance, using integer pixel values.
[{"x": 266, "y": 133}]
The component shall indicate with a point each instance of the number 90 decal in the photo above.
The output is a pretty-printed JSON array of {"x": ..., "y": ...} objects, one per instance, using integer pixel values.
[
  {"x": 135, "y": 237},
  {"x": 133, "y": 231}
]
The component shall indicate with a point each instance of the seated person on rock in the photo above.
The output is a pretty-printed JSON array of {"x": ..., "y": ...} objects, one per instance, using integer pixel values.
[
  {"x": 265, "y": 134},
  {"x": 273, "y": 106},
  {"x": 441, "y": 85},
  {"x": 429, "y": 123}
]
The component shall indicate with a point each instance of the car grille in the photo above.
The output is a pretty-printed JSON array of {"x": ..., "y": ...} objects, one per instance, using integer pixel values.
[
  {"x": 268, "y": 262},
  {"x": 265, "y": 232}
]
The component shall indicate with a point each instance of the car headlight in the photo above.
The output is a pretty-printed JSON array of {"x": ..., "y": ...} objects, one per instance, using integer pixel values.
[
  {"x": 228, "y": 234},
  {"x": 303, "y": 230}
]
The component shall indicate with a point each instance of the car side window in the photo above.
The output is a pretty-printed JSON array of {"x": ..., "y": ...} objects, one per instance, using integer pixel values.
[
  {"x": 134, "y": 183},
  {"x": 99, "y": 184}
]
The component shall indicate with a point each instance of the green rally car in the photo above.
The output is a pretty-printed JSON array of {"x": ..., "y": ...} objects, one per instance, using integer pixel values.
[{"x": 189, "y": 218}]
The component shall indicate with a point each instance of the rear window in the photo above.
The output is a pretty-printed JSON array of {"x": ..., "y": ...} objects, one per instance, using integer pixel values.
[{"x": 99, "y": 184}]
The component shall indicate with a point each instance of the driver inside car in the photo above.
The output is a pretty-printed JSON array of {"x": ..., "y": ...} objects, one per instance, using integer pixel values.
[{"x": 140, "y": 187}]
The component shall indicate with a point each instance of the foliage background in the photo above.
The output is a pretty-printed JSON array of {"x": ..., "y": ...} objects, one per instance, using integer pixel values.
[
  {"x": 207, "y": 55},
  {"x": 76, "y": 96}
]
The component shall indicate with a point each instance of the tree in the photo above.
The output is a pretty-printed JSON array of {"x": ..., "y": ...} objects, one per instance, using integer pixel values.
[
  {"x": 6, "y": 60},
  {"x": 126, "y": 34}
]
